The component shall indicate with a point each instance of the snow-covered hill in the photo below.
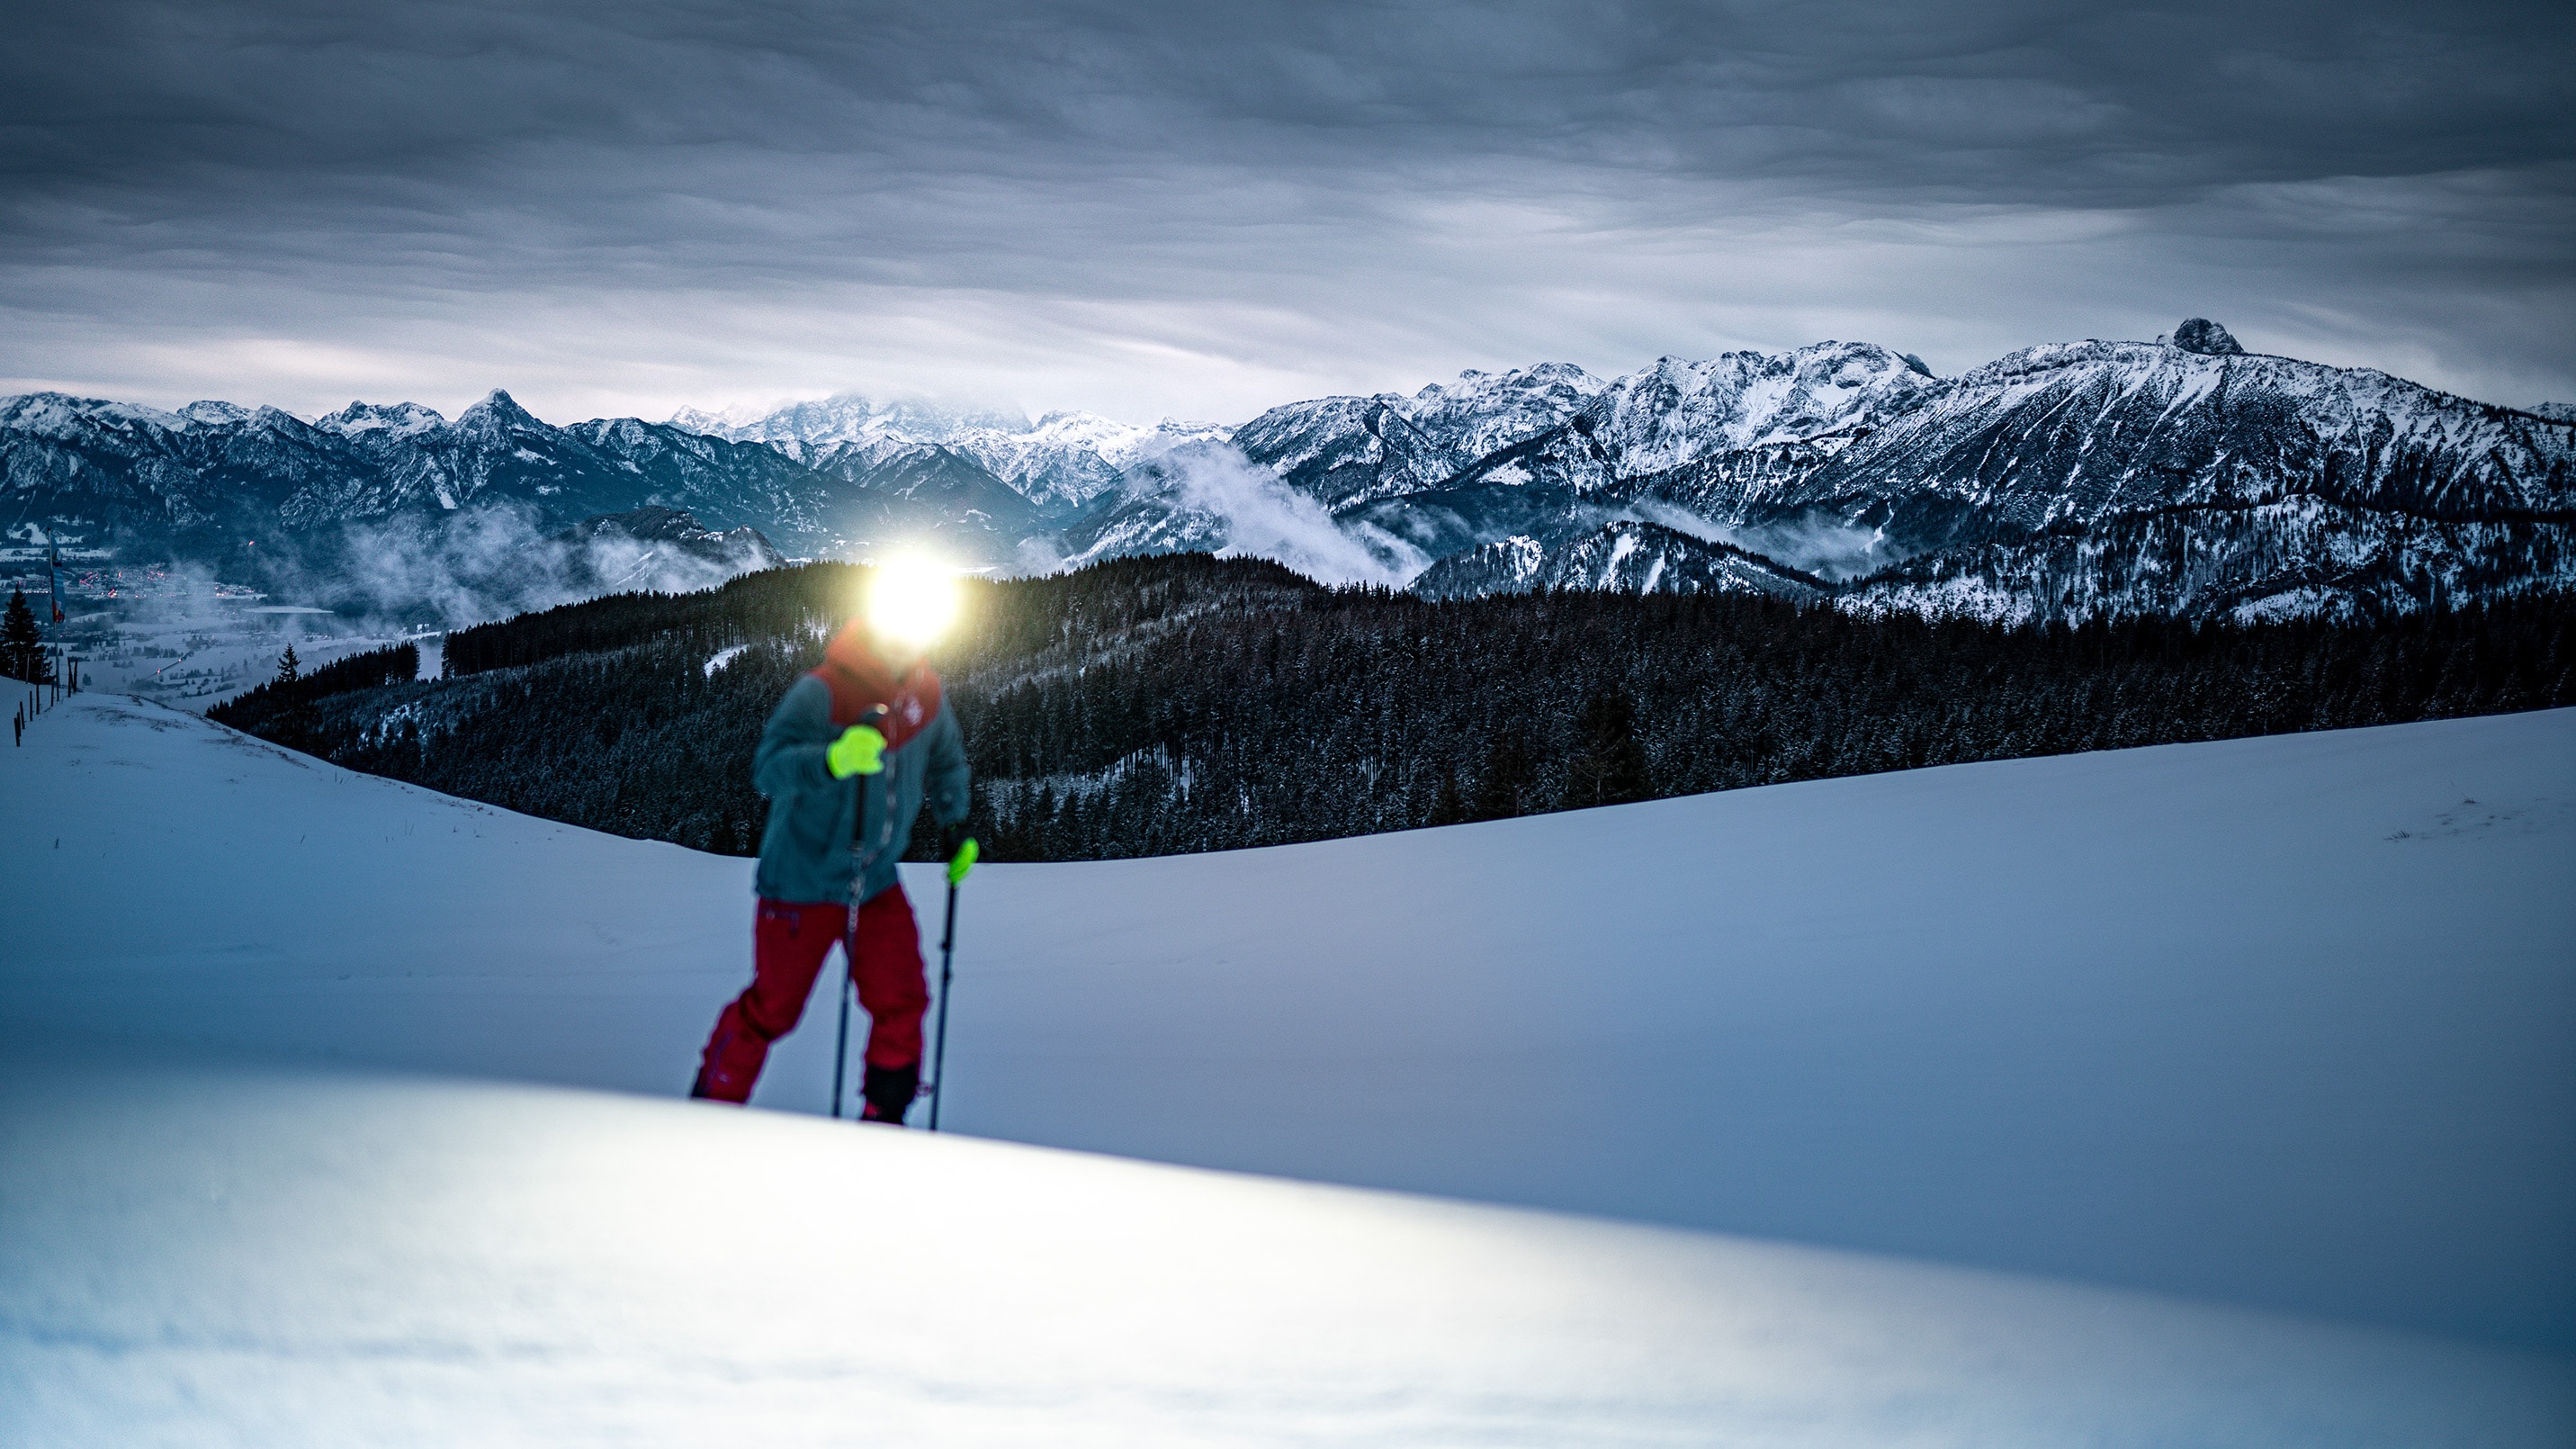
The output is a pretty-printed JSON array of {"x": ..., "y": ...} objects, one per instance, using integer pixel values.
[
  {"x": 2283, "y": 1021},
  {"x": 2279, "y": 1020},
  {"x": 207, "y": 1253}
]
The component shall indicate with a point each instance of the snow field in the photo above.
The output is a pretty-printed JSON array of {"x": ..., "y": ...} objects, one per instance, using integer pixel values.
[
  {"x": 208, "y": 1253},
  {"x": 2278, "y": 1021},
  {"x": 2287, "y": 1022}
]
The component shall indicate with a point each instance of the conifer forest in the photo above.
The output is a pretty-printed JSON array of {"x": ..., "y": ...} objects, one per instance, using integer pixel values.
[{"x": 1180, "y": 703}]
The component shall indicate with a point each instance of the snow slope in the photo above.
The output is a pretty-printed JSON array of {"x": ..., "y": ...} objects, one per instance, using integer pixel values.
[
  {"x": 195, "y": 1253},
  {"x": 2290, "y": 1022}
]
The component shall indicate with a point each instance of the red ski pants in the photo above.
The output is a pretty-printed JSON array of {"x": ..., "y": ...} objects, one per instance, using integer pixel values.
[{"x": 883, "y": 946}]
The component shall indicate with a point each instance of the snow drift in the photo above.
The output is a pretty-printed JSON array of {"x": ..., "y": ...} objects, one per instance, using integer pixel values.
[{"x": 208, "y": 1254}]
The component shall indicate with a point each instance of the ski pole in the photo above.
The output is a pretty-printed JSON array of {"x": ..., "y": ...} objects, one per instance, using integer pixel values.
[
  {"x": 939, "y": 1041},
  {"x": 849, "y": 957},
  {"x": 841, "y": 1051}
]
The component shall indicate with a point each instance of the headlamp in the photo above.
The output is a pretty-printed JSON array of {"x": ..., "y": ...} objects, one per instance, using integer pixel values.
[{"x": 911, "y": 599}]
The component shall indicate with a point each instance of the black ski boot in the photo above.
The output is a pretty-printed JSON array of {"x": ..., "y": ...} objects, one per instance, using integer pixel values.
[{"x": 889, "y": 1091}]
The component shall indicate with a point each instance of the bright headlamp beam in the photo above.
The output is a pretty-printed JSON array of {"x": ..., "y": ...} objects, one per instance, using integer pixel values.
[{"x": 911, "y": 599}]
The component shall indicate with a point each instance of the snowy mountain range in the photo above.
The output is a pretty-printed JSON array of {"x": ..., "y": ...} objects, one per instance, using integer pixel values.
[
  {"x": 1060, "y": 464},
  {"x": 2182, "y": 475}
]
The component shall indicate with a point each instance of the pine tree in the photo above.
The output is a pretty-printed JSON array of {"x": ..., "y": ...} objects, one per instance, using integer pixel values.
[
  {"x": 1506, "y": 773},
  {"x": 293, "y": 723},
  {"x": 1448, "y": 807},
  {"x": 22, "y": 644},
  {"x": 1609, "y": 766}
]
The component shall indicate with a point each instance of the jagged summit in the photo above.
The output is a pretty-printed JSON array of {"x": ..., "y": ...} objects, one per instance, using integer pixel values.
[
  {"x": 1679, "y": 411},
  {"x": 213, "y": 411},
  {"x": 1061, "y": 463},
  {"x": 63, "y": 415},
  {"x": 399, "y": 419},
  {"x": 497, "y": 410},
  {"x": 2199, "y": 334},
  {"x": 851, "y": 417}
]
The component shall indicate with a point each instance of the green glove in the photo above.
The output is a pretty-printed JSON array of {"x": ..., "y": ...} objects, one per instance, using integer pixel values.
[
  {"x": 963, "y": 861},
  {"x": 859, "y": 751}
]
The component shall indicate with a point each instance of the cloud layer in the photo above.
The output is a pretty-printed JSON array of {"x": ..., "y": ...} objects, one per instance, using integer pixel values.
[{"x": 1200, "y": 210}]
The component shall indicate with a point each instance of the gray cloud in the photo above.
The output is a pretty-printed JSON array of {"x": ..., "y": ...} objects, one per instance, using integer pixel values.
[{"x": 1202, "y": 209}]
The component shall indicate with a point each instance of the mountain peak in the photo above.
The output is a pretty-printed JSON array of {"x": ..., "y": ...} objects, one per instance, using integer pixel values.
[
  {"x": 498, "y": 410},
  {"x": 851, "y": 417},
  {"x": 2199, "y": 334},
  {"x": 58, "y": 414},
  {"x": 210, "y": 411},
  {"x": 722, "y": 422},
  {"x": 393, "y": 420}
]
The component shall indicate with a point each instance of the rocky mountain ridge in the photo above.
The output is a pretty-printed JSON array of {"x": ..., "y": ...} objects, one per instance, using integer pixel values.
[
  {"x": 1061, "y": 463},
  {"x": 2060, "y": 481},
  {"x": 2184, "y": 475}
]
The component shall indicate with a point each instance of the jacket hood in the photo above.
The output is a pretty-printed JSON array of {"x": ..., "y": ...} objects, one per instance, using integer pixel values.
[{"x": 861, "y": 682}]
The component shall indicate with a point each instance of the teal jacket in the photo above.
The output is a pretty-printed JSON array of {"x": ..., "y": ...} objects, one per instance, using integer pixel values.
[{"x": 824, "y": 833}]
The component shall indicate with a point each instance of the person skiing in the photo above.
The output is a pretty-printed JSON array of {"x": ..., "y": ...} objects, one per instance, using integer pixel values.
[{"x": 846, "y": 761}]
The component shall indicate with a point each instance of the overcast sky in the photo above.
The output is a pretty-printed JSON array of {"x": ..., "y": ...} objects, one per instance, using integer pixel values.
[{"x": 1203, "y": 209}]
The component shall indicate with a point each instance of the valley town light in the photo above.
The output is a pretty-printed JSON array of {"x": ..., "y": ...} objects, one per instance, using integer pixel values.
[{"x": 912, "y": 598}]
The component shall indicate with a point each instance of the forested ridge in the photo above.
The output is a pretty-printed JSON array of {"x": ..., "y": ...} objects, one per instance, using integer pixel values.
[
  {"x": 374, "y": 668},
  {"x": 1181, "y": 703}
]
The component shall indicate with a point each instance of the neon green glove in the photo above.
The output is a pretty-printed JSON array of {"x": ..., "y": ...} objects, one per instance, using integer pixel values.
[
  {"x": 963, "y": 861},
  {"x": 859, "y": 751}
]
